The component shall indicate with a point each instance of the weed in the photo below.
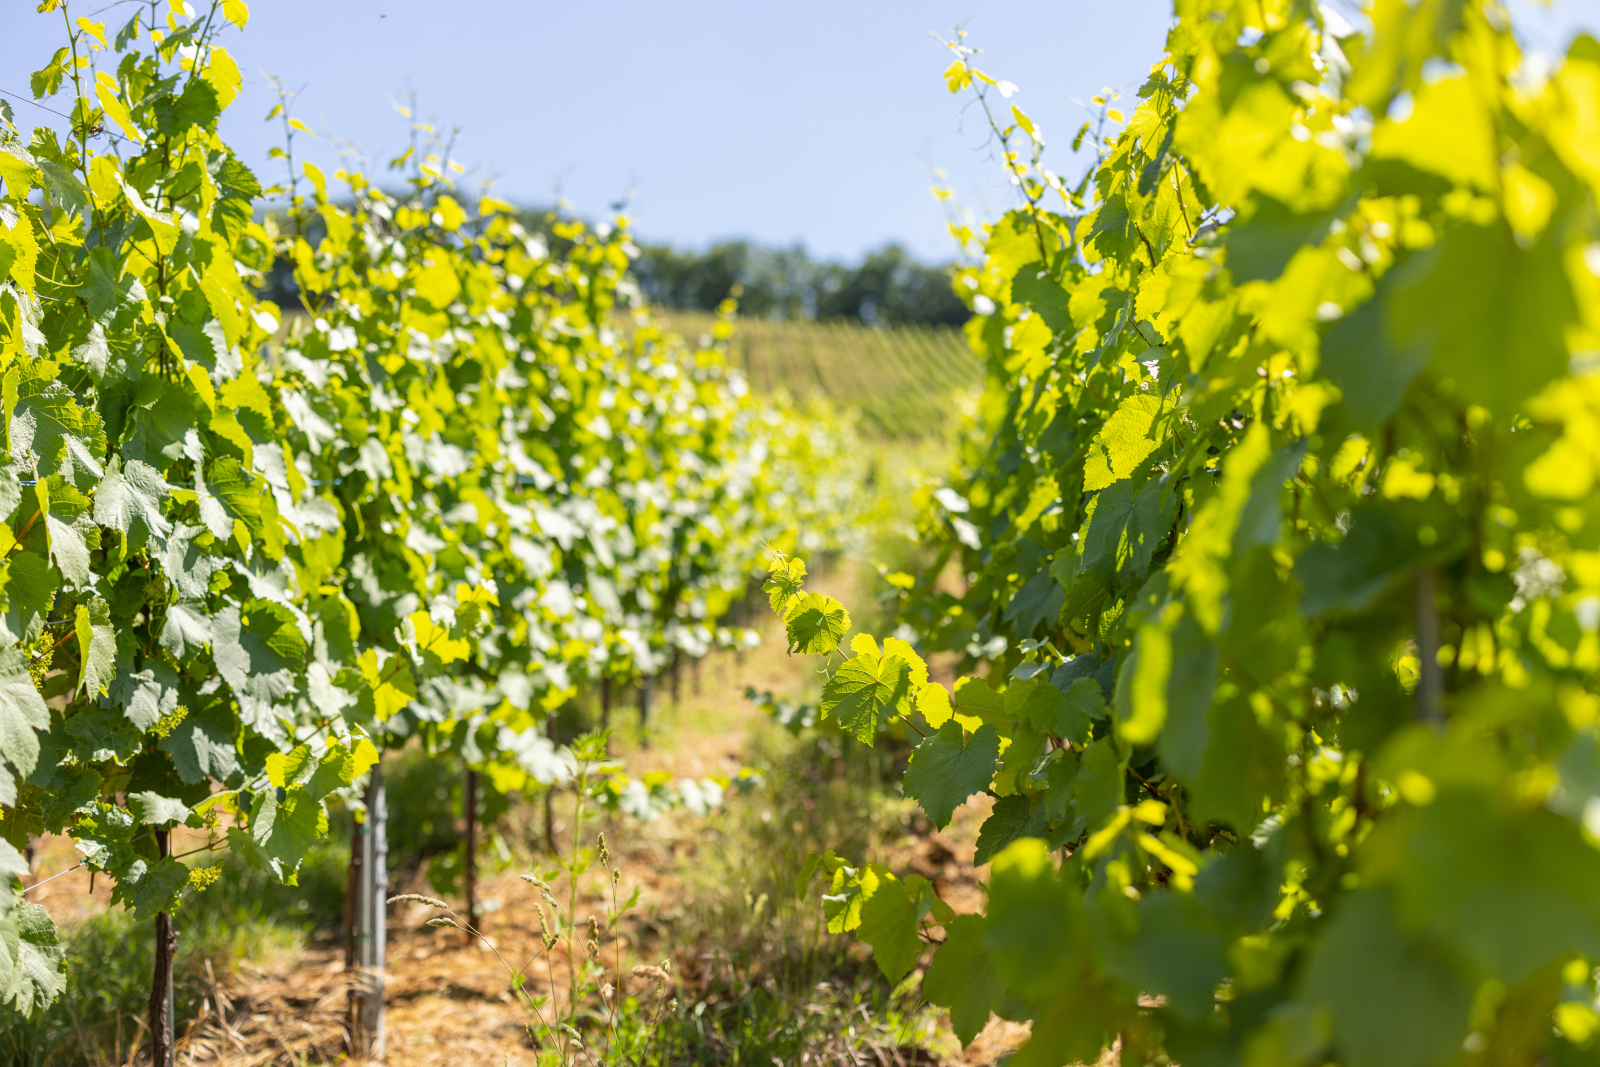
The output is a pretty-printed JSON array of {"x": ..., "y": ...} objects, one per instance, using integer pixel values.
[{"x": 597, "y": 1022}]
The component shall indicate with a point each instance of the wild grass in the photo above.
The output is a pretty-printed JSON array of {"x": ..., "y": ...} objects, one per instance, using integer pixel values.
[{"x": 764, "y": 980}]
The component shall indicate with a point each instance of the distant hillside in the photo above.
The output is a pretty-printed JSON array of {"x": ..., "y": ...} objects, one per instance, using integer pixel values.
[{"x": 902, "y": 378}]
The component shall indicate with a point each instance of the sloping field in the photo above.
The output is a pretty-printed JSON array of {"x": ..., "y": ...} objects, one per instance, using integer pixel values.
[{"x": 902, "y": 378}]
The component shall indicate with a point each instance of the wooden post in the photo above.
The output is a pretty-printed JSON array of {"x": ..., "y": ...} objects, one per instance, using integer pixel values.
[
  {"x": 469, "y": 806},
  {"x": 605, "y": 702},
  {"x": 161, "y": 1006},
  {"x": 371, "y": 912}
]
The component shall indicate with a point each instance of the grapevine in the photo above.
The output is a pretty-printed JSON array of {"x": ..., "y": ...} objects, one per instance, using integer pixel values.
[{"x": 1274, "y": 552}]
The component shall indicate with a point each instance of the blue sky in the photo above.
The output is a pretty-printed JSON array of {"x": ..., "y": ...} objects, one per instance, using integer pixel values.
[{"x": 817, "y": 122}]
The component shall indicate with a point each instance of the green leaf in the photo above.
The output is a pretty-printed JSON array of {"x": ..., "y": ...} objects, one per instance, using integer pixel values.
[
  {"x": 30, "y": 590},
  {"x": 1038, "y": 601},
  {"x": 1190, "y": 685},
  {"x": 187, "y": 564},
  {"x": 202, "y": 748},
  {"x": 867, "y": 692},
  {"x": 22, "y": 712},
  {"x": 97, "y": 646},
  {"x": 285, "y": 829},
  {"x": 1012, "y": 819},
  {"x": 1035, "y": 924},
  {"x": 816, "y": 623},
  {"x": 783, "y": 584},
  {"x": 33, "y": 971},
  {"x": 1353, "y": 573},
  {"x": 128, "y": 500},
  {"x": 10, "y": 489},
  {"x": 52, "y": 434},
  {"x": 230, "y": 494},
  {"x": 1124, "y": 442},
  {"x": 106, "y": 288},
  {"x": 1260, "y": 248},
  {"x": 1371, "y": 368},
  {"x": 889, "y": 918},
  {"x": 1198, "y": 569},
  {"x": 437, "y": 284},
  {"x": 1085, "y": 702},
  {"x": 259, "y": 652},
  {"x": 946, "y": 769},
  {"x": 974, "y": 702},
  {"x": 1044, "y": 707},
  {"x": 69, "y": 549},
  {"x": 186, "y": 630},
  {"x": 1490, "y": 314},
  {"x": 1098, "y": 789},
  {"x": 1394, "y": 1002},
  {"x": 963, "y": 978},
  {"x": 148, "y": 887},
  {"x": 153, "y": 809},
  {"x": 146, "y": 696}
]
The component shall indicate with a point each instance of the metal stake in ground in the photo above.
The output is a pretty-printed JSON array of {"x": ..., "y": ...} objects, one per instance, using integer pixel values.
[
  {"x": 647, "y": 686},
  {"x": 161, "y": 981},
  {"x": 469, "y": 869},
  {"x": 371, "y": 913}
]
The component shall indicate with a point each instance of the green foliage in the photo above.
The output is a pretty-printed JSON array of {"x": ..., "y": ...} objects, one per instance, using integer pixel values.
[
  {"x": 1281, "y": 550},
  {"x": 448, "y": 495}
]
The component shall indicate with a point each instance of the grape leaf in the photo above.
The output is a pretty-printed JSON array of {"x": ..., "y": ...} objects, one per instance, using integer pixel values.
[
  {"x": 186, "y": 630},
  {"x": 259, "y": 652},
  {"x": 1123, "y": 442},
  {"x": 32, "y": 962},
  {"x": 783, "y": 584},
  {"x": 22, "y": 711},
  {"x": 962, "y": 977},
  {"x": 889, "y": 919},
  {"x": 946, "y": 769},
  {"x": 816, "y": 623},
  {"x": 867, "y": 692},
  {"x": 128, "y": 500}
]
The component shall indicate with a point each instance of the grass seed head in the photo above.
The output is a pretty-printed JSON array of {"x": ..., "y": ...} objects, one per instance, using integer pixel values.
[
  {"x": 655, "y": 974},
  {"x": 605, "y": 853},
  {"x": 443, "y": 921},
  {"x": 418, "y": 898}
]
